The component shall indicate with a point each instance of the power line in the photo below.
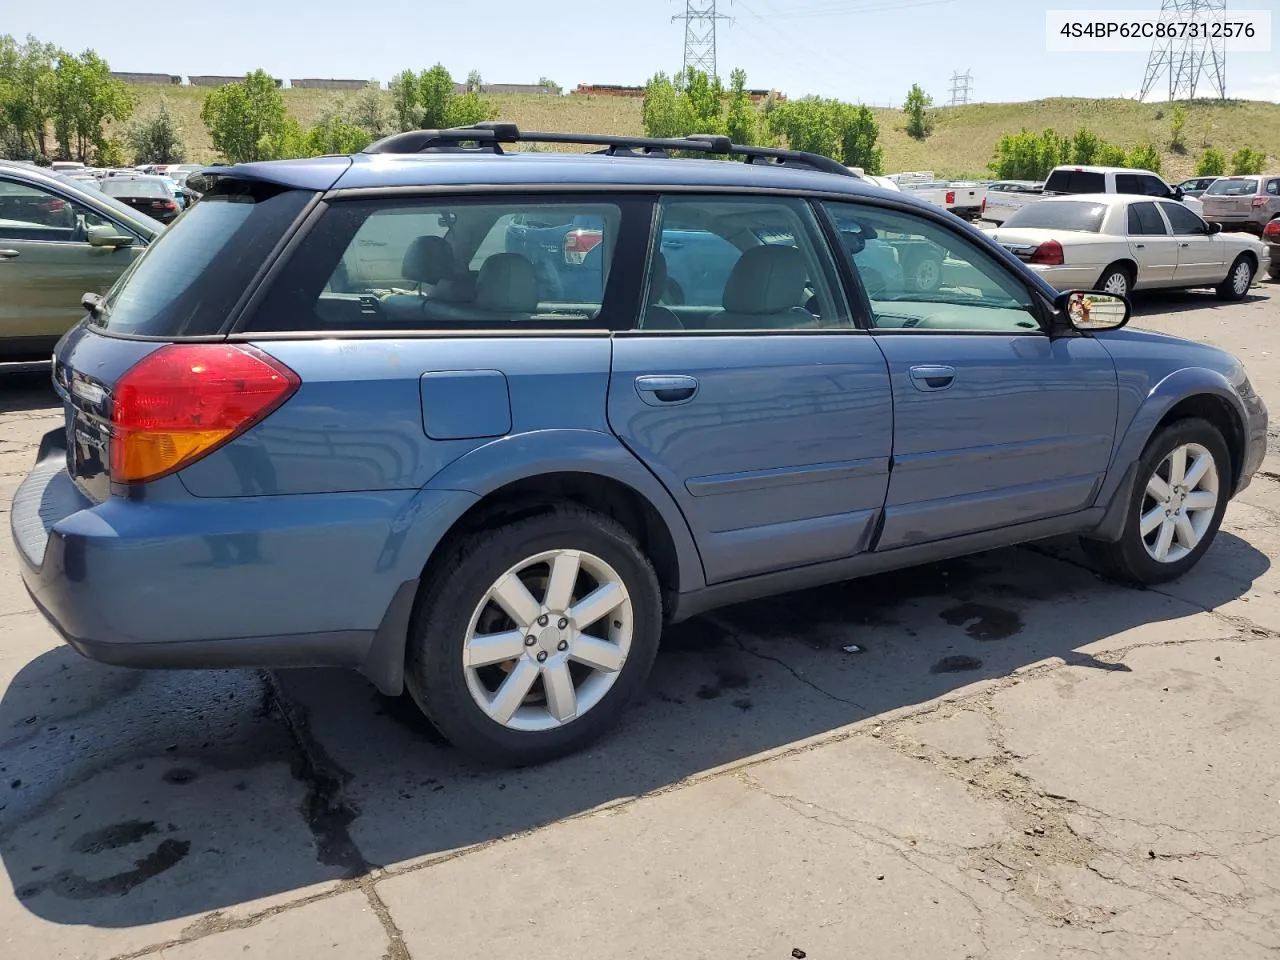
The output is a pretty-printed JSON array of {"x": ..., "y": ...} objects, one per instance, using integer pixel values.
[
  {"x": 1183, "y": 60},
  {"x": 700, "y": 18}
]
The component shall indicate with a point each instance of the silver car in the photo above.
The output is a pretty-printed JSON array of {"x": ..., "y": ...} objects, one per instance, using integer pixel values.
[{"x": 1243, "y": 203}]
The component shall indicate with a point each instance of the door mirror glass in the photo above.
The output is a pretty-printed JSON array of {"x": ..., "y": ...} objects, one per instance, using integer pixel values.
[
  {"x": 1089, "y": 310},
  {"x": 1178, "y": 193},
  {"x": 106, "y": 236},
  {"x": 1215, "y": 227}
]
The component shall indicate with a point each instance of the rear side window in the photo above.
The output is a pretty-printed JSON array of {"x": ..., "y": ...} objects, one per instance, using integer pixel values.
[
  {"x": 1065, "y": 215},
  {"x": 1145, "y": 221},
  {"x": 1184, "y": 222},
  {"x": 1075, "y": 181},
  {"x": 1273, "y": 187},
  {"x": 119, "y": 187},
  {"x": 431, "y": 264},
  {"x": 191, "y": 277}
]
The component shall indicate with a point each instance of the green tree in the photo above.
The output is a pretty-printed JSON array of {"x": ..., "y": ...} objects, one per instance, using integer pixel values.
[
  {"x": 705, "y": 97},
  {"x": 469, "y": 109},
  {"x": 740, "y": 123},
  {"x": 664, "y": 111},
  {"x": 475, "y": 83},
  {"x": 156, "y": 138},
  {"x": 1246, "y": 160},
  {"x": 405, "y": 100},
  {"x": 247, "y": 120},
  {"x": 1084, "y": 147},
  {"x": 335, "y": 134},
  {"x": 546, "y": 83},
  {"x": 27, "y": 95},
  {"x": 370, "y": 111},
  {"x": 1177, "y": 126},
  {"x": 916, "y": 107},
  {"x": 834, "y": 129},
  {"x": 1143, "y": 157},
  {"x": 1028, "y": 156},
  {"x": 1212, "y": 163},
  {"x": 1109, "y": 155},
  {"x": 435, "y": 90}
]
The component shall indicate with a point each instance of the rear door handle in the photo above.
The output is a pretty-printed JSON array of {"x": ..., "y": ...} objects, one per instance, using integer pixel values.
[
  {"x": 932, "y": 376},
  {"x": 1184, "y": 244},
  {"x": 8, "y": 254},
  {"x": 657, "y": 391},
  {"x": 1141, "y": 246}
]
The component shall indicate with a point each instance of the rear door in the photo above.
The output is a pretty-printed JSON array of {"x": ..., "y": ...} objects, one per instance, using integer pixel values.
[
  {"x": 995, "y": 423},
  {"x": 1201, "y": 254},
  {"x": 760, "y": 405},
  {"x": 1152, "y": 245}
]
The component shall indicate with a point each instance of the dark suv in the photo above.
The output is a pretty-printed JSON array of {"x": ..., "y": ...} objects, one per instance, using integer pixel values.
[{"x": 338, "y": 415}]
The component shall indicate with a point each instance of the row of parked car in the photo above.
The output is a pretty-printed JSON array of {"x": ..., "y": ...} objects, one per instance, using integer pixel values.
[{"x": 490, "y": 420}]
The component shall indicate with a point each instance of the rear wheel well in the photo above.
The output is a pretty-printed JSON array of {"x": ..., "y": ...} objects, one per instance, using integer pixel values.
[
  {"x": 1129, "y": 267},
  {"x": 534, "y": 495},
  {"x": 1218, "y": 412}
]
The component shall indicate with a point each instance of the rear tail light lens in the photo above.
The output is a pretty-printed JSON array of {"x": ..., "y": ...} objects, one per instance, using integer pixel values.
[
  {"x": 1048, "y": 253},
  {"x": 951, "y": 197},
  {"x": 1259, "y": 202},
  {"x": 578, "y": 243},
  {"x": 185, "y": 400},
  {"x": 1272, "y": 231}
]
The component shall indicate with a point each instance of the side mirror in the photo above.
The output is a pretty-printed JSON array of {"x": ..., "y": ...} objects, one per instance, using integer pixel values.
[
  {"x": 1090, "y": 310},
  {"x": 1178, "y": 193},
  {"x": 104, "y": 236},
  {"x": 1215, "y": 227}
]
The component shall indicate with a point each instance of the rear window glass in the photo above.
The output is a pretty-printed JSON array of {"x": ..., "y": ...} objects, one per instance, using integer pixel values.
[
  {"x": 135, "y": 188},
  {"x": 1075, "y": 181},
  {"x": 428, "y": 265},
  {"x": 190, "y": 278},
  {"x": 1069, "y": 215},
  {"x": 1233, "y": 188}
]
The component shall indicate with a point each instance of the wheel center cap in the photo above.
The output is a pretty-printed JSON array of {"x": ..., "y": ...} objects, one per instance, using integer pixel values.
[{"x": 549, "y": 639}]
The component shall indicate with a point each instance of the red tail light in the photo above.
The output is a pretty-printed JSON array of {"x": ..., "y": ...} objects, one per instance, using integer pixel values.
[
  {"x": 1272, "y": 231},
  {"x": 163, "y": 205},
  {"x": 1259, "y": 202},
  {"x": 185, "y": 400},
  {"x": 951, "y": 197},
  {"x": 1048, "y": 253},
  {"x": 578, "y": 243}
]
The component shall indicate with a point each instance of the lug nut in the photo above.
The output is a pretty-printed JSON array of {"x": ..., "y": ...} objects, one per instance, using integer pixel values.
[
  {"x": 542, "y": 620},
  {"x": 530, "y": 640},
  {"x": 542, "y": 656},
  {"x": 562, "y": 623},
  {"x": 564, "y": 645}
]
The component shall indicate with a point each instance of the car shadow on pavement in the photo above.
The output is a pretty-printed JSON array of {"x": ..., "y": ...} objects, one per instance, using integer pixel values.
[
  {"x": 132, "y": 798},
  {"x": 1160, "y": 302},
  {"x": 27, "y": 390}
]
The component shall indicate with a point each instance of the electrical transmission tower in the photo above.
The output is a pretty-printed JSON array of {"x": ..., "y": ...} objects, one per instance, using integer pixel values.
[
  {"x": 1185, "y": 60},
  {"x": 961, "y": 87},
  {"x": 700, "y": 19}
]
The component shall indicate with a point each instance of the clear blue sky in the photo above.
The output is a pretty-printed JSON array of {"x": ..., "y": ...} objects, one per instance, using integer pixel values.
[{"x": 862, "y": 50}]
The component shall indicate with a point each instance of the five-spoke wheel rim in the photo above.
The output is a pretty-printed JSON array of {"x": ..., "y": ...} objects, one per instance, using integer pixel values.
[
  {"x": 1117, "y": 284},
  {"x": 1179, "y": 503},
  {"x": 548, "y": 640},
  {"x": 928, "y": 274},
  {"x": 1241, "y": 278}
]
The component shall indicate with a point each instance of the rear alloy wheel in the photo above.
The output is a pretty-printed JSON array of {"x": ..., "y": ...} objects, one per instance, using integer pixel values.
[
  {"x": 518, "y": 662},
  {"x": 1238, "y": 281},
  {"x": 926, "y": 275},
  {"x": 1176, "y": 507},
  {"x": 1115, "y": 280}
]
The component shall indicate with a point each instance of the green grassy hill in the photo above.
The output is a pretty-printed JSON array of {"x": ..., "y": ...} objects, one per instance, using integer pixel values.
[{"x": 962, "y": 143}]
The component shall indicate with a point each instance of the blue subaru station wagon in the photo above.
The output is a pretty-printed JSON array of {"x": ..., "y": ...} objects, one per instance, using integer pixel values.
[{"x": 438, "y": 412}]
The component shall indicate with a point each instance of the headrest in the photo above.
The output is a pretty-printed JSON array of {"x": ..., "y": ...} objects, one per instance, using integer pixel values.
[
  {"x": 429, "y": 260},
  {"x": 507, "y": 284},
  {"x": 658, "y": 277},
  {"x": 766, "y": 279}
]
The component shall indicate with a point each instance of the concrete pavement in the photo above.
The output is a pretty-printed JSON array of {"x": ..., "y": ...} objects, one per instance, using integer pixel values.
[{"x": 1025, "y": 762}]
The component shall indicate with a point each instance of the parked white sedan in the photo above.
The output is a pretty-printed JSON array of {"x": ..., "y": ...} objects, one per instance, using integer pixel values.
[{"x": 1120, "y": 243}]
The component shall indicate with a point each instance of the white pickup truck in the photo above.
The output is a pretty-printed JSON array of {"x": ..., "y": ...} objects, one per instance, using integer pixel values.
[
  {"x": 1071, "y": 179},
  {"x": 1004, "y": 197},
  {"x": 962, "y": 197}
]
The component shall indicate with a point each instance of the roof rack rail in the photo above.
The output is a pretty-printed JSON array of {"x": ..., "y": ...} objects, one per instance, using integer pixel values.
[{"x": 489, "y": 136}]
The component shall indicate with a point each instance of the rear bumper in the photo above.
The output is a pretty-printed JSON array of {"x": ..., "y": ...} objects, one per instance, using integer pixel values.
[
  {"x": 1069, "y": 277},
  {"x": 318, "y": 580}
]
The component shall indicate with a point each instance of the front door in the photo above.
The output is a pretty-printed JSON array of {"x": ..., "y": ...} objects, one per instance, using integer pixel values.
[
  {"x": 763, "y": 410},
  {"x": 995, "y": 424},
  {"x": 47, "y": 264},
  {"x": 1201, "y": 257}
]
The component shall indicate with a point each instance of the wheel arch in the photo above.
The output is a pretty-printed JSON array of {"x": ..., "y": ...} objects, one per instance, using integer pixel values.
[
  {"x": 1130, "y": 266},
  {"x": 520, "y": 476}
]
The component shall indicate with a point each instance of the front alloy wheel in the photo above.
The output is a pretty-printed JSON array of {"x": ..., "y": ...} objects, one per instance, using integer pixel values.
[{"x": 1179, "y": 503}]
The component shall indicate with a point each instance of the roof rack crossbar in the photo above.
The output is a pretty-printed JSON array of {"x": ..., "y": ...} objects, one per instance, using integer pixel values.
[{"x": 488, "y": 137}]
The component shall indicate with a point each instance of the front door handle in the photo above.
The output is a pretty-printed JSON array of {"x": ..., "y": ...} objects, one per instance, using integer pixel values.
[
  {"x": 1184, "y": 244},
  {"x": 932, "y": 376},
  {"x": 1141, "y": 246},
  {"x": 8, "y": 254},
  {"x": 655, "y": 390}
]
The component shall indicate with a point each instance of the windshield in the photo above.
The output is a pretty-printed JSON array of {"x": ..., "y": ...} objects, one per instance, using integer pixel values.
[
  {"x": 1066, "y": 215},
  {"x": 1233, "y": 188},
  {"x": 118, "y": 187}
]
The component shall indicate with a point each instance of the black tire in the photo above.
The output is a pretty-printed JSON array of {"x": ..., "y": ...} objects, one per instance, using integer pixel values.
[
  {"x": 1127, "y": 559},
  {"x": 1117, "y": 270},
  {"x": 1227, "y": 290},
  {"x": 924, "y": 273},
  {"x": 434, "y": 672}
]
